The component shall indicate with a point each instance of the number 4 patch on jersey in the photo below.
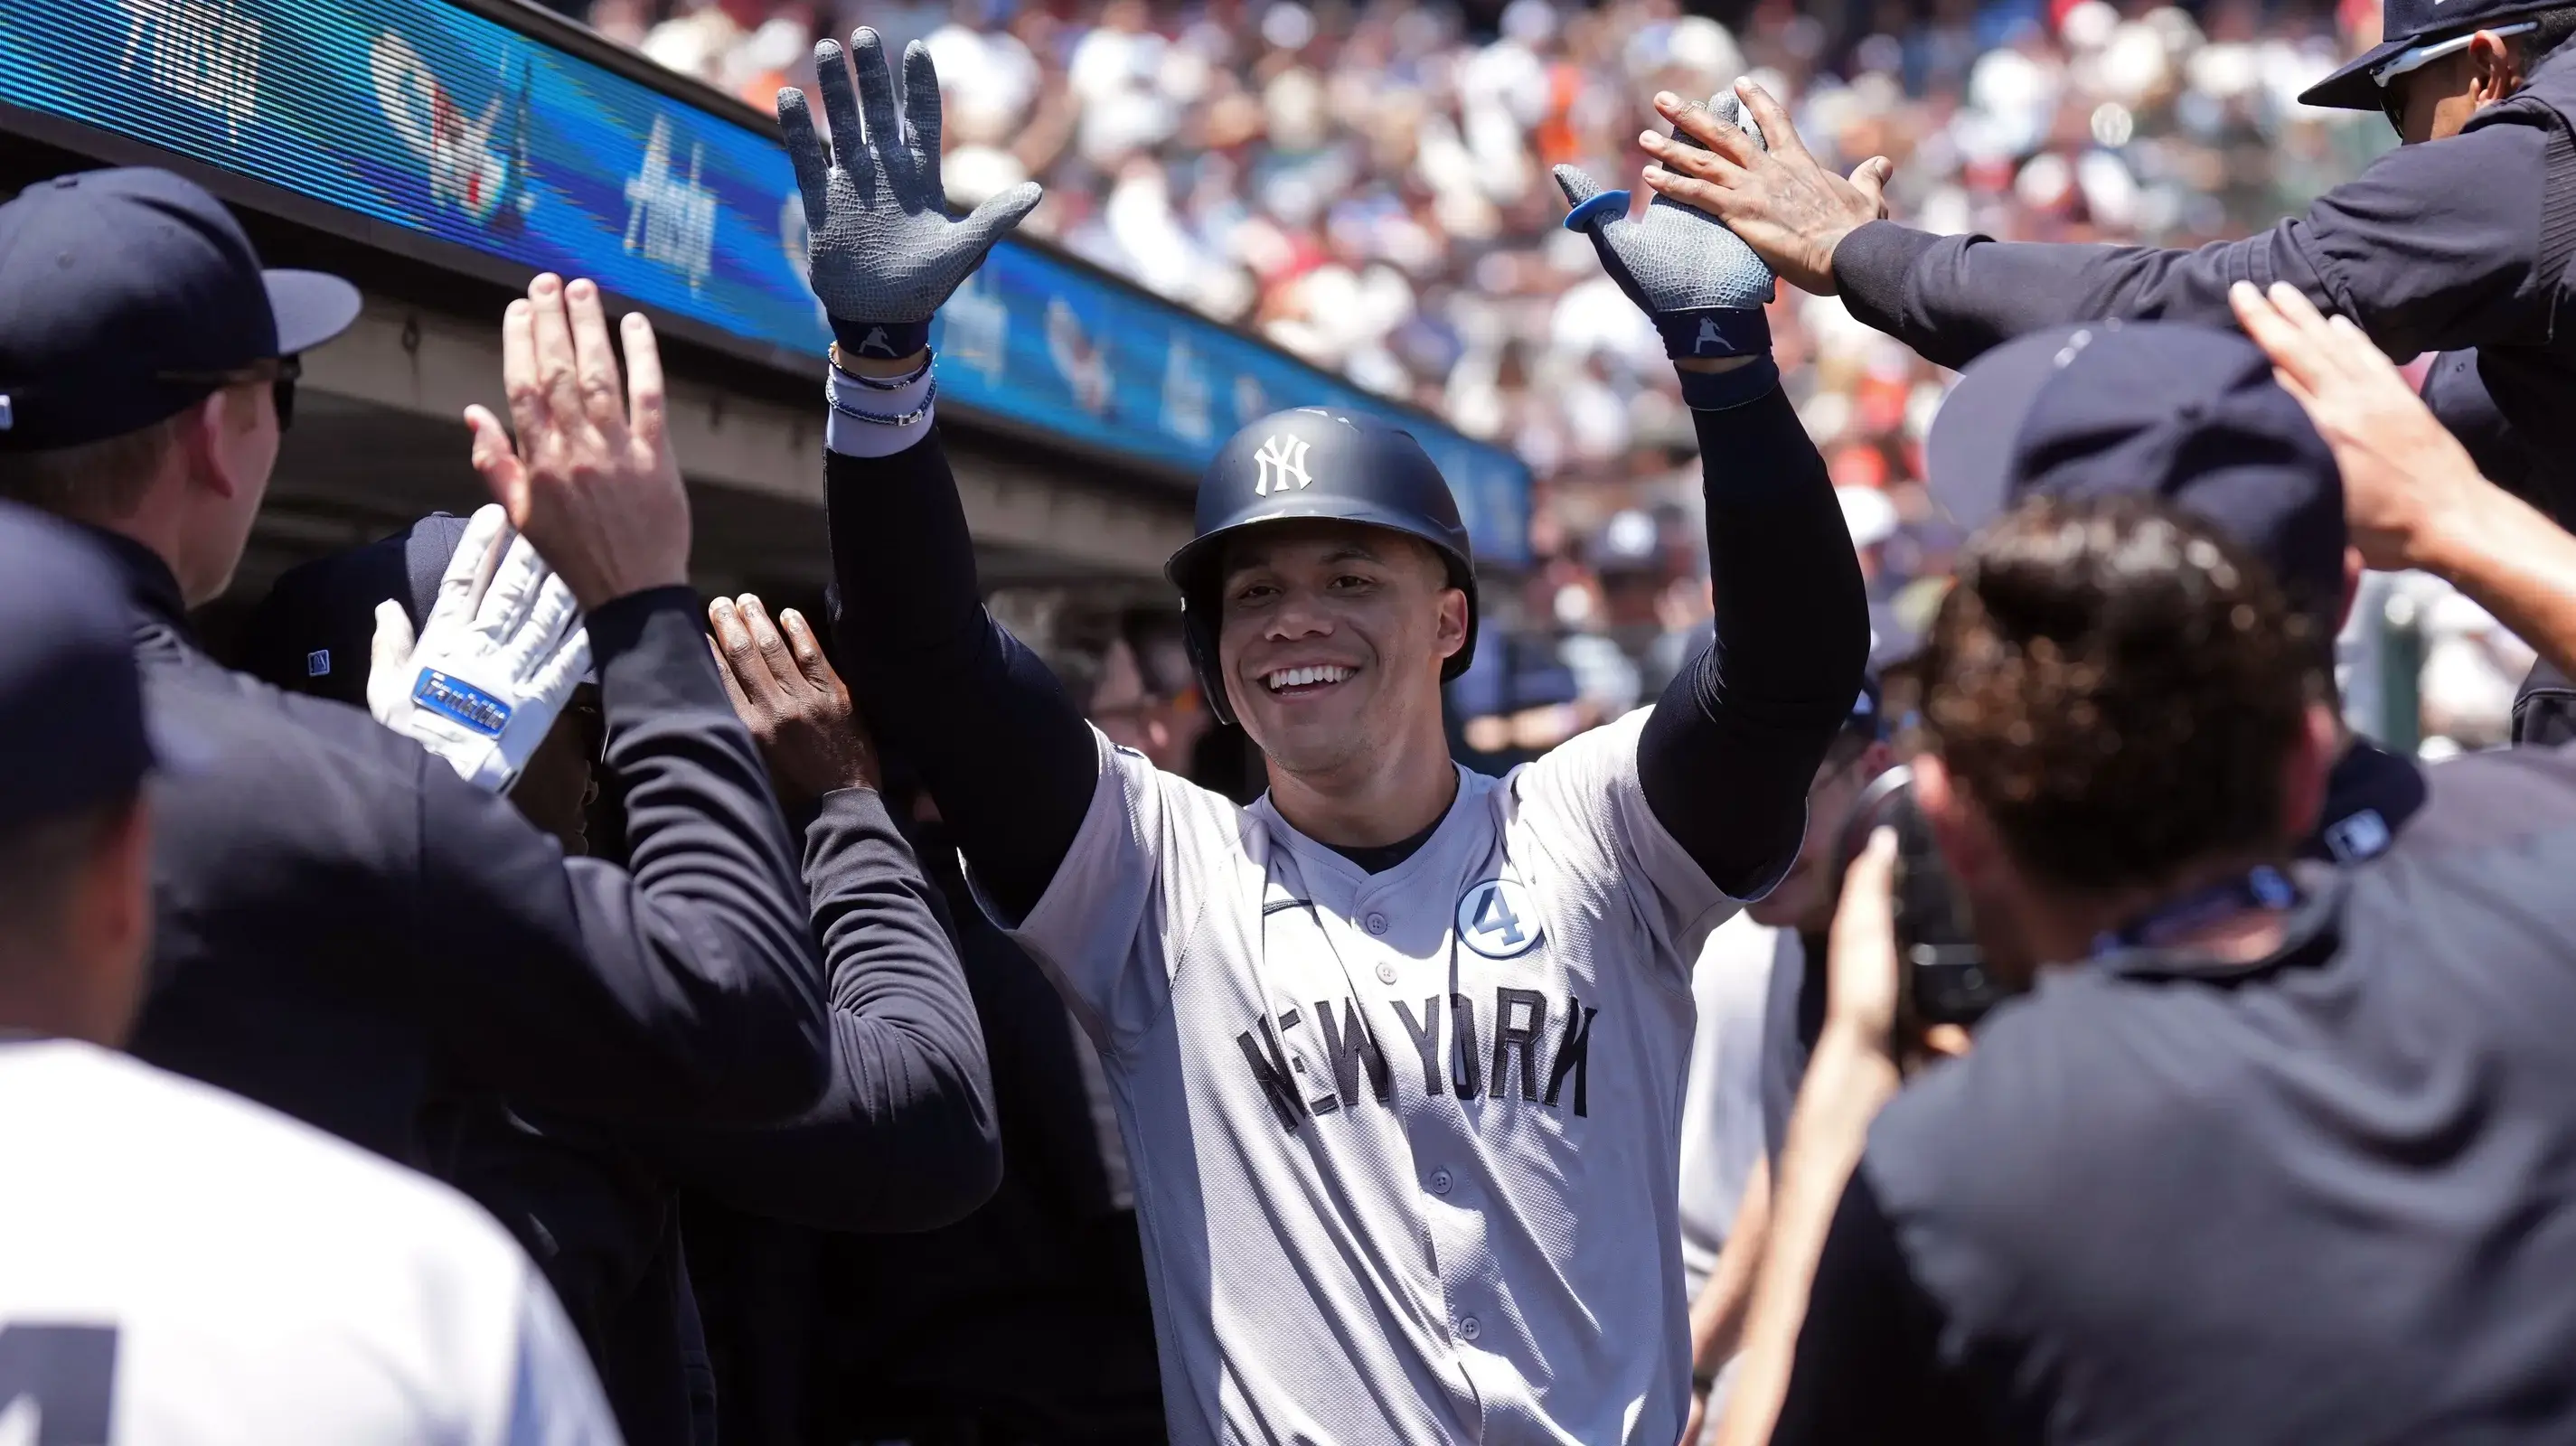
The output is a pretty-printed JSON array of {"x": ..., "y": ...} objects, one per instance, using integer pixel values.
[{"x": 1495, "y": 919}]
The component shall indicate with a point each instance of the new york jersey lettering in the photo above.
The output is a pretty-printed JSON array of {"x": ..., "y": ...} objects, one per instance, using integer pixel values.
[{"x": 1348, "y": 1047}]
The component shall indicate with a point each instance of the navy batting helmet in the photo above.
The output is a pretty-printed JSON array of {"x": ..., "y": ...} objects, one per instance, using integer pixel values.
[{"x": 1314, "y": 462}]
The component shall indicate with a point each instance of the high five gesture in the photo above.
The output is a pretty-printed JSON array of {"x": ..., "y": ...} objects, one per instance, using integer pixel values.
[{"x": 883, "y": 250}]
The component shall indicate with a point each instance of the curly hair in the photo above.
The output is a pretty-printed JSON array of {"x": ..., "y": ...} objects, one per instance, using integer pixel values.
[{"x": 2117, "y": 686}]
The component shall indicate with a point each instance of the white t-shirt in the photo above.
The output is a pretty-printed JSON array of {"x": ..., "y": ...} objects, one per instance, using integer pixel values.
[
  {"x": 181, "y": 1266},
  {"x": 1356, "y": 1229},
  {"x": 1722, "y": 1104}
]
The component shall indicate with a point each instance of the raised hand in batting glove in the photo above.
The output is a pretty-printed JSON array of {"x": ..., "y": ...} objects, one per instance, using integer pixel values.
[
  {"x": 883, "y": 252},
  {"x": 494, "y": 663},
  {"x": 1703, "y": 287}
]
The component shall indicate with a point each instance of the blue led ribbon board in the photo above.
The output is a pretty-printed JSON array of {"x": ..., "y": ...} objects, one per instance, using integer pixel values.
[{"x": 445, "y": 123}]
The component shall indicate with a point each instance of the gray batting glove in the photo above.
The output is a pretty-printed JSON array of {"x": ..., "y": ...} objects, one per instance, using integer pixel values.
[
  {"x": 884, "y": 253},
  {"x": 1701, "y": 284}
]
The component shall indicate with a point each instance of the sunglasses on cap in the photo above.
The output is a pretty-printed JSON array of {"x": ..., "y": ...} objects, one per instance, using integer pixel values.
[
  {"x": 279, "y": 372},
  {"x": 2415, "y": 58}
]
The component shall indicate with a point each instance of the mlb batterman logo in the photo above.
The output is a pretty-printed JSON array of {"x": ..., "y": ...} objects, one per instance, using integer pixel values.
[
  {"x": 1281, "y": 465},
  {"x": 1496, "y": 920}
]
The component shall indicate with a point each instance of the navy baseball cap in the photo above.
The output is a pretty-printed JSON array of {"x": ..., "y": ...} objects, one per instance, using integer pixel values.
[
  {"x": 315, "y": 631},
  {"x": 127, "y": 295},
  {"x": 2186, "y": 413},
  {"x": 2405, "y": 24},
  {"x": 72, "y": 720}
]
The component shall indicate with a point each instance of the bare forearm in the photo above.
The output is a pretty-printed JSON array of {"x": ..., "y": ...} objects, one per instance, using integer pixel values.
[
  {"x": 1717, "y": 1317},
  {"x": 1847, "y": 1081},
  {"x": 2514, "y": 562}
]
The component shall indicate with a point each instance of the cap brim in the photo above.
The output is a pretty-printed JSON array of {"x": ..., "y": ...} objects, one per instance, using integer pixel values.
[
  {"x": 1969, "y": 452},
  {"x": 311, "y": 308},
  {"x": 1194, "y": 566},
  {"x": 2350, "y": 87}
]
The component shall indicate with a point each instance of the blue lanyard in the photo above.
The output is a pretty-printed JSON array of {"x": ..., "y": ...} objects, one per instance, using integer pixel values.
[{"x": 2262, "y": 888}]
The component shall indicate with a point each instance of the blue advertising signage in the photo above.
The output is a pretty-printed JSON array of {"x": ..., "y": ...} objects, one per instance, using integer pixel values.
[{"x": 435, "y": 119}]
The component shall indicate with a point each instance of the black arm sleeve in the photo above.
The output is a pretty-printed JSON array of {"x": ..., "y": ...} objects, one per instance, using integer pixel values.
[
  {"x": 2427, "y": 250},
  {"x": 697, "y": 992},
  {"x": 1726, "y": 759},
  {"x": 998, "y": 744},
  {"x": 904, "y": 1137},
  {"x": 1868, "y": 1364}
]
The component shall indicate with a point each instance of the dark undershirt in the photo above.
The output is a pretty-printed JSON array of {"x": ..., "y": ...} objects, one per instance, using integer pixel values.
[{"x": 1378, "y": 858}]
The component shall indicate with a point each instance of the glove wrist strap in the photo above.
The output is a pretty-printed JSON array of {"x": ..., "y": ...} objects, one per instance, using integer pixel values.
[
  {"x": 1711, "y": 333},
  {"x": 1718, "y": 391},
  {"x": 878, "y": 340}
]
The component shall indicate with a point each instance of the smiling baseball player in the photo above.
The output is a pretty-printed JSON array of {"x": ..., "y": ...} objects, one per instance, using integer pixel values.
[{"x": 1398, "y": 1049}]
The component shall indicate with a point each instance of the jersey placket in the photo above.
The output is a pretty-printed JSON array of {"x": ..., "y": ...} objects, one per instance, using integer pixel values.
[
  {"x": 1416, "y": 966},
  {"x": 1356, "y": 921}
]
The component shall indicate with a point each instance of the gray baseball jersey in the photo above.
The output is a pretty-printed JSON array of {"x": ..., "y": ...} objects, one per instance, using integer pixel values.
[
  {"x": 178, "y": 1265},
  {"x": 1405, "y": 1144}
]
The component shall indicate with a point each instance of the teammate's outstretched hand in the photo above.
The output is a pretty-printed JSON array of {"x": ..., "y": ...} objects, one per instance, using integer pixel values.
[
  {"x": 1702, "y": 285},
  {"x": 1780, "y": 199},
  {"x": 592, "y": 482},
  {"x": 2404, "y": 474},
  {"x": 786, "y": 693},
  {"x": 494, "y": 663},
  {"x": 883, "y": 251}
]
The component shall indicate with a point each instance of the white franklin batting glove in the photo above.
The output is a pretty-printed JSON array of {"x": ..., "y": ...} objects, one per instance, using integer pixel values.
[{"x": 494, "y": 664}]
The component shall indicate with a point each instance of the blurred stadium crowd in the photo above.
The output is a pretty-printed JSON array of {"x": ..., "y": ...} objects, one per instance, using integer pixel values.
[{"x": 1368, "y": 187}]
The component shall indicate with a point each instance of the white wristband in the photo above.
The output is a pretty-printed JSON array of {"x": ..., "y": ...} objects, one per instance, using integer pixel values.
[{"x": 853, "y": 437}]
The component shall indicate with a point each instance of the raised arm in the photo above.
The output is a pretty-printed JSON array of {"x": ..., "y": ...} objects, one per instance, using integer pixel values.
[
  {"x": 2425, "y": 249},
  {"x": 1002, "y": 749},
  {"x": 2413, "y": 496},
  {"x": 1738, "y": 734},
  {"x": 686, "y": 984},
  {"x": 904, "y": 1136},
  {"x": 1726, "y": 759}
]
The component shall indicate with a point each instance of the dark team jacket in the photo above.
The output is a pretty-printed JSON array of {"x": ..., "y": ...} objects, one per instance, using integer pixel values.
[
  {"x": 2450, "y": 245},
  {"x": 1047, "y": 1275},
  {"x": 904, "y": 1137},
  {"x": 831, "y": 1336},
  {"x": 343, "y": 924},
  {"x": 2459, "y": 246},
  {"x": 2329, "y": 1195}
]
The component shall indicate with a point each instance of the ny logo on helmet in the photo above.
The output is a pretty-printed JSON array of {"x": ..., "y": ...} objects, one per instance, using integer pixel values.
[{"x": 1282, "y": 465}]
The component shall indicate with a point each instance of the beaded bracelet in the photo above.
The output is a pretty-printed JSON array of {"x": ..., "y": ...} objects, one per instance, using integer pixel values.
[{"x": 928, "y": 398}]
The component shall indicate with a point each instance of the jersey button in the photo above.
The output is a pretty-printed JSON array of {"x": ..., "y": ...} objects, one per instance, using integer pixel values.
[
  {"x": 1377, "y": 923},
  {"x": 1386, "y": 974},
  {"x": 1440, "y": 1182},
  {"x": 1468, "y": 1329}
]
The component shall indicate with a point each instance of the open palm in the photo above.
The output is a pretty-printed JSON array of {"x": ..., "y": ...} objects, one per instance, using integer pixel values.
[{"x": 882, "y": 247}]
